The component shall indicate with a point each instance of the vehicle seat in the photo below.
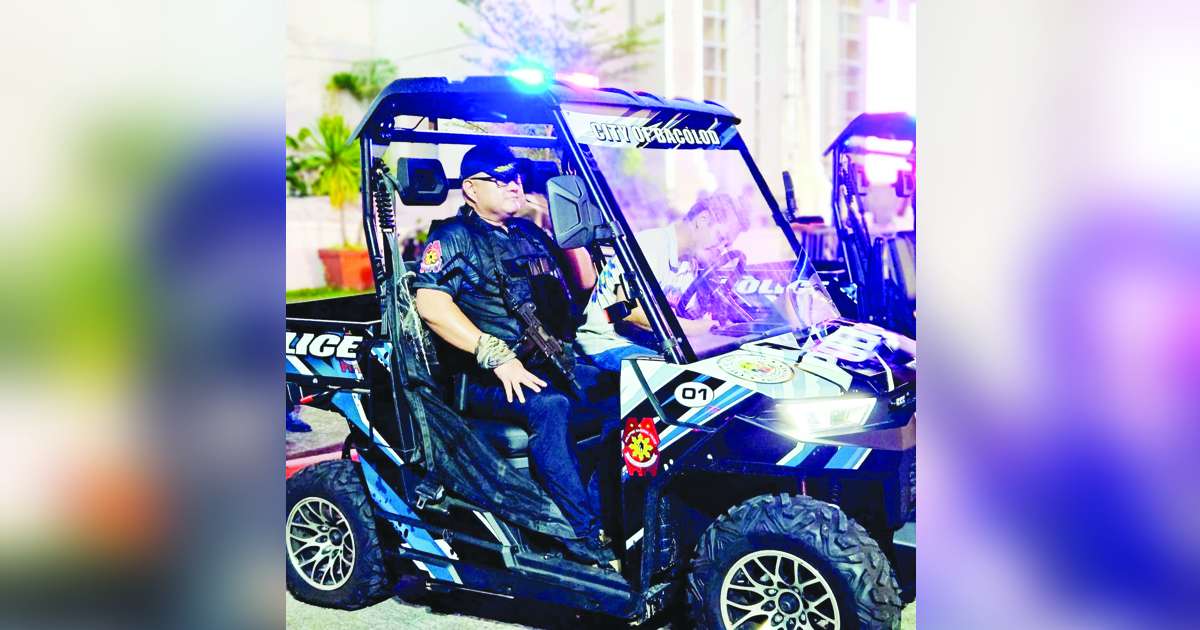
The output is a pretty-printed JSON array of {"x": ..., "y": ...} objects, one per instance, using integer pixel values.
[
  {"x": 903, "y": 255},
  {"x": 512, "y": 442},
  {"x": 509, "y": 440}
]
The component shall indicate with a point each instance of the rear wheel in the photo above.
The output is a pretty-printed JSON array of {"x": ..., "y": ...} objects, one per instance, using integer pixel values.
[
  {"x": 794, "y": 563},
  {"x": 333, "y": 555}
]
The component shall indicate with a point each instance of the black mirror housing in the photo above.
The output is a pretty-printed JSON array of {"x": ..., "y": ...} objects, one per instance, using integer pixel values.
[
  {"x": 421, "y": 182},
  {"x": 577, "y": 221}
]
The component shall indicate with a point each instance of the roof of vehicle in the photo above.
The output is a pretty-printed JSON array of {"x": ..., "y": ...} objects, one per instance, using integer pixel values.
[
  {"x": 893, "y": 125},
  {"x": 501, "y": 99}
]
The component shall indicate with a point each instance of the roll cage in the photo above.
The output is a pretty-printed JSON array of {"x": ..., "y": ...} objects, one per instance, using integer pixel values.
[
  {"x": 504, "y": 100},
  {"x": 884, "y": 296}
]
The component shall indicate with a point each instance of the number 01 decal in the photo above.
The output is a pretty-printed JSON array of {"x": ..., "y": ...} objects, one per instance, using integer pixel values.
[{"x": 693, "y": 394}]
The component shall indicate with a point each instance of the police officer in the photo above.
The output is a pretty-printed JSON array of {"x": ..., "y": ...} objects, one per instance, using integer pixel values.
[{"x": 475, "y": 270}]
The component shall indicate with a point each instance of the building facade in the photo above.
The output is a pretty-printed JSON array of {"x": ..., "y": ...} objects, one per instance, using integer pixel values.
[{"x": 794, "y": 71}]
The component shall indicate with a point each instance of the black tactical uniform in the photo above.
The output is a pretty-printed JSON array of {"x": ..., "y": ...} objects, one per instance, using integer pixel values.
[
  {"x": 461, "y": 258},
  {"x": 458, "y": 259}
]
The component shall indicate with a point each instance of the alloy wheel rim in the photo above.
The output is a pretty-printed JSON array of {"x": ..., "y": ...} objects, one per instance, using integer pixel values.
[
  {"x": 777, "y": 589},
  {"x": 320, "y": 543}
]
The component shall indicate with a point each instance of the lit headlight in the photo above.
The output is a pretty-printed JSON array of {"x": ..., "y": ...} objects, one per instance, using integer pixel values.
[{"x": 820, "y": 416}]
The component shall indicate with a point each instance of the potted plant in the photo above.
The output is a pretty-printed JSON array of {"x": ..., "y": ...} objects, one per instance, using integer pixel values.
[{"x": 334, "y": 161}]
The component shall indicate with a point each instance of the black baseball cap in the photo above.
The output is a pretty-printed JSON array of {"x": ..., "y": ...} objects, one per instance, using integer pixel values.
[{"x": 492, "y": 158}]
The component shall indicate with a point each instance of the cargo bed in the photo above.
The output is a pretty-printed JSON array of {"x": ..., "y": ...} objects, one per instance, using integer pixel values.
[{"x": 327, "y": 339}]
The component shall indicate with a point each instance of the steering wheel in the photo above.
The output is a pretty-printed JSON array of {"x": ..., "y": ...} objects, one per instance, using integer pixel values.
[{"x": 714, "y": 286}]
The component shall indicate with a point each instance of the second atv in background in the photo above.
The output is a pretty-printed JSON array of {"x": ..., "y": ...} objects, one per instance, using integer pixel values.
[{"x": 867, "y": 257}]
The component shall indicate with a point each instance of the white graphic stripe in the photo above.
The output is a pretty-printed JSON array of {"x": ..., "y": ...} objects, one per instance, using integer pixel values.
[
  {"x": 674, "y": 432},
  {"x": 299, "y": 365},
  {"x": 792, "y": 453},
  {"x": 657, "y": 374},
  {"x": 387, "y": 448},
  {"x": 887, "y": 369},
  {"x": 445, "y": 547},
  {"x": 491, "y": 525}
]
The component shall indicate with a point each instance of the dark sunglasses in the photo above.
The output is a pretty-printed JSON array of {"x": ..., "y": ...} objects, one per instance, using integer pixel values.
[{"x": 498, "y": 182}]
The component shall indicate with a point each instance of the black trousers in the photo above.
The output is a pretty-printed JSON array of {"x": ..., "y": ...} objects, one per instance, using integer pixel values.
[{"x": 555, "y": 419}]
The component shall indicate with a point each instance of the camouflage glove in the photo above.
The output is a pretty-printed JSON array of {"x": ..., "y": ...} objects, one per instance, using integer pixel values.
[{"x": 491, "y": 352}]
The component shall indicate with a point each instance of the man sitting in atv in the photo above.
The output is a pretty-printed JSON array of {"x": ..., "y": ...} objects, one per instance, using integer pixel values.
[
  {"x": 677, "y": 253},
  {"x": 477, "y": 270}
]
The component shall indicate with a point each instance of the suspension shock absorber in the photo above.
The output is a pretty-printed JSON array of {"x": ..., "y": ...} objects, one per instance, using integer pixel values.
[{"x": 385, "y": 210}]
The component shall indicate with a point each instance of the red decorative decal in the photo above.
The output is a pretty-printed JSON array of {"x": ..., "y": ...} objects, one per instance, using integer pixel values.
[
  {"x": 432, "y": 260},
  {"x": 639, "y": 441}
]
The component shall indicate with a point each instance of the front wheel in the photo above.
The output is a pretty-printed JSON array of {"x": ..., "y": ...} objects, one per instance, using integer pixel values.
[{"x": 791, "y": 562}]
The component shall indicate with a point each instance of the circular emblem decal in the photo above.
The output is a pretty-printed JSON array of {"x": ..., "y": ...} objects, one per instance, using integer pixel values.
[{"x": 756, "y": 368}]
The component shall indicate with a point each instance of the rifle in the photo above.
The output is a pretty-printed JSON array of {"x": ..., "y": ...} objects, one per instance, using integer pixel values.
[{"x": 535, "y": 338}]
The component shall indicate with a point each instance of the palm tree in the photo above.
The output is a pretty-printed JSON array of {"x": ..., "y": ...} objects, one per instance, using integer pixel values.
[
  {"x": 334, "y": 159},
  {"x": 365, "y": 80}
]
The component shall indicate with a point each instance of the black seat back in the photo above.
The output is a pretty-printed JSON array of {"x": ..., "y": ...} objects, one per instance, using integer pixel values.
[{"x": 451, "y": 378}]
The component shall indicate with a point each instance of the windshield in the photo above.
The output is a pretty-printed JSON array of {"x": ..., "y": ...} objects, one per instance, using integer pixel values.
[{"x": 706, "y": 232}]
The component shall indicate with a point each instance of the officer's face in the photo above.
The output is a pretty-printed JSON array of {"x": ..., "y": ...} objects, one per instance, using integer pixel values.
[{"x": 493, "y": 197}]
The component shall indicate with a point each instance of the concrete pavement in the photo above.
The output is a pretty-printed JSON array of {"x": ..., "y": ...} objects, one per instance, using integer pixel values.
[{"x": 414, "y": 609}]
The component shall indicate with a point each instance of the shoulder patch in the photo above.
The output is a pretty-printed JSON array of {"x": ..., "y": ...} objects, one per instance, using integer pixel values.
[{"x": 431, "y": 260}]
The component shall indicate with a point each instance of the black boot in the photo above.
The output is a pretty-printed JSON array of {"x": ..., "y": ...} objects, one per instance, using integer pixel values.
[{"x": 590, "y": 550}]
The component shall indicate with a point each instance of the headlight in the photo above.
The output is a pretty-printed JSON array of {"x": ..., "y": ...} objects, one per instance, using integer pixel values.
[{"x": 820, "y": 416}]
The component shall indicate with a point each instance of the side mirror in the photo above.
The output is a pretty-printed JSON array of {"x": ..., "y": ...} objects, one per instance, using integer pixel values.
[
  {"x": 789, "y": 197},
  {"x": 421, "y": 182},
  {"x": 577, "y": 221}
]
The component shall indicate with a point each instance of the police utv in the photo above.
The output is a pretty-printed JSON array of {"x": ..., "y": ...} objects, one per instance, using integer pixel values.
[
  {"x": 872, "y": 275},
  {"x": 772, "y": 481}
]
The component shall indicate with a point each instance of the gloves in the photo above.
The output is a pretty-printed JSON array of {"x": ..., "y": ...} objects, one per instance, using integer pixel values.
[{"x": 491, "y": 352}]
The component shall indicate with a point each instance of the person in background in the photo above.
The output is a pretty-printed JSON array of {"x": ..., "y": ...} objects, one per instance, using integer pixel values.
[{"x": 675, "y": 253}]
